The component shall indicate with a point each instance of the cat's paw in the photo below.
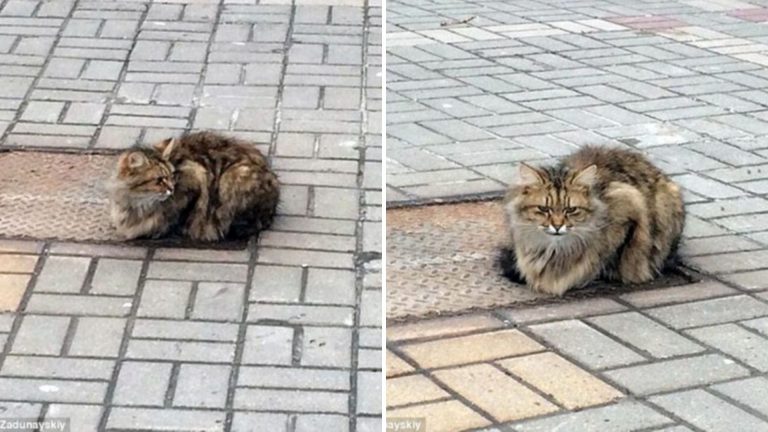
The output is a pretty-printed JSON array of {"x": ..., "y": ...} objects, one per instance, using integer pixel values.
[{"x": 203, "y": 232}]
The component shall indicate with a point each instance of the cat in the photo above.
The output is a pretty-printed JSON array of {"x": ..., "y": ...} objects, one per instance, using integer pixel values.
[
  {"x": 601, "y": 213},
  {"x": 204, "y": 186}
]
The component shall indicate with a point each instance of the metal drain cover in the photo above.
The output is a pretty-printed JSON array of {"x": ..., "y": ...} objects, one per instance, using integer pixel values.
[
  {"x": 441, "y": 260},
  {"x": 55, "y": 196}
]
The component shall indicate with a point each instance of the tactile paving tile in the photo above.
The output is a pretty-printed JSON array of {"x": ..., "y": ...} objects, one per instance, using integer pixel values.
[
  {"x": 55, "y": 196},
  {"x": 441, "y": 260}
]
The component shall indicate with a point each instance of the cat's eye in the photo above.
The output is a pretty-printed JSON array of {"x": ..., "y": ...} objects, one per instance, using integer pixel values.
[
  {"x": 543, "y": 209},
  {"x": 571, "y": 210}
]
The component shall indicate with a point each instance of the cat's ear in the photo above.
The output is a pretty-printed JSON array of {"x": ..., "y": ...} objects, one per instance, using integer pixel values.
[
  {"x": 528, "y": 175},
  {"x": 166, "y": 147},
  {"x": 133, "y": 160},
  {"x": 585, "y": 177}
]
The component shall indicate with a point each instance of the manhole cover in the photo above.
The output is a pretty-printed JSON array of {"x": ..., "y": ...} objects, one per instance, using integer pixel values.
[
  {"x": 441, "y": 259},
  {"x": 64, "y": 196},
  {"x": 54, "y": 196}
]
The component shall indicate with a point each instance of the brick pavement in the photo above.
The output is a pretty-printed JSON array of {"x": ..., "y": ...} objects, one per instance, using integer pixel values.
[
  {"x": 284, "y": 335},
  {"x": 682, "y": 80}
]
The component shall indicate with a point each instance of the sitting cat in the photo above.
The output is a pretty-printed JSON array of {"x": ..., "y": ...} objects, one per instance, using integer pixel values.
[
  {"x": 600, "y": 213},
  {"x": 203, "y": 185}
]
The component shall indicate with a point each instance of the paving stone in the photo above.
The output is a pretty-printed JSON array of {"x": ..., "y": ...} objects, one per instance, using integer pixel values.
[
  {"x": 18, "y": 263},
  {"x": 750, "y": 392},
  {"x": 53, "y": 390},
  {"x": 78, "y": 305},
  {"x": 184, "y": 330},
  {"x": 442, "y": 416},
  {"x": 557, "y": 378},
  {"x": 708, "y": 312},
  {"x": 326, "y": 346},
  {"x": 442, "y": 327},
  {"x": 197, "y": 271},
  {"x": 13, "y": 287},
  {"x": 412, "y": 389},
  {"x": 218, "y": 301},
  {"x": 490, "y": 389},
  {"x": 291, "y": 400},
  {"x": 573, "y": 309},
  {"x": 165, "y": 299},
  {"x": 464, "y": 349},
  {"x": 624, "y": 416},
  {"x": 279, "y": 377},
  {"x": 165, "y": 419},
  {"x": 202, "y": 386},
  {"x": 270, "y": 345},
  {"x": 142, "y": 383},
  {"x": 708, "y": 412},
  {"x": 51, "y": 367},
  {"x": 737, "y": 342},
  {"x": 676, "y": 374},
  {"x": 97, "y": 337},
  {"x": 41, "y": 335},
  {"x": 586, "y": 344},
  {"x": 646, "y": 335},
  {"x": 116, "y": 277}
]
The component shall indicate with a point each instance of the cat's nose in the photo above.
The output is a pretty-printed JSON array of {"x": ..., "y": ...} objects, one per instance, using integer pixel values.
[{"x": 558, "y": 228}]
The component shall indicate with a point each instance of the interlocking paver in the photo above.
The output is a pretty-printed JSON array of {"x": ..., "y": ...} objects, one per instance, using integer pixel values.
[{"x": 162, "y": 336}]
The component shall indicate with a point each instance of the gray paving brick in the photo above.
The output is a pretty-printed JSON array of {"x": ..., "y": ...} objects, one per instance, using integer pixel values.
[
  {"x": 218, "y": 301},
  {"x": 40, "y": 335},
  {"x": 63, "y": 274},
  {"x": 269, "y": 345},
  {"x": 709, "y": 312},
  {"x": 78, "y": 305},
  {"x": 197, "y": 271},
  {"x": 181, "y": 351},
  {"x": 97, "y": 337},
  {"x": 737, "y": 342},
  {"x": 330, "y": 286},
  {"x": 326, "y": 346},
  {"x": 86, "y": 417},
  {"x": 142, "y": 383},
  {"x": 296, "y": 378},
  {"x": 585, "y": 344},
  {"x": 202, "y": 386},
  {"x": 306, "y": 423},
  {"x": 291, "y": 400},
  {"x": 184, "y": 330},
  {"x": 624, "y": 416},
  {"x": 646, "y": 335},
  {"x": 116, "y": 277},
  {"x": 676, "y": 374},
  {"x": 53, "y": 390},
  {"x": 272, "y": 283},
  {"x": 165, "y": 299},
  {"x": 708, "y": 412},
  {"x": 750, "y": 392},
  {"x": 52, "y": 367},
  {"x": 165, "y": 419},
  {"x": 296, "y": 314}
]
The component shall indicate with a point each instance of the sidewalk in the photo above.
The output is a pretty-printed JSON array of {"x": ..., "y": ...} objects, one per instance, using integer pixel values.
[
  {"x": 683, "y": 81},
  {"x": 283, "y": 335}
]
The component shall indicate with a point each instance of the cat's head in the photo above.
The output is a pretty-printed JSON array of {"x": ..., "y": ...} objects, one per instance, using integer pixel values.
[
  {"x": 555, "y": 201},
  {"x": 145, "y": 173}
]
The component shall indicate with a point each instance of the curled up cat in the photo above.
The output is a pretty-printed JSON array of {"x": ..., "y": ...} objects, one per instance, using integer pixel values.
[
  {"x": 601, "y": 213},
  {"x": 203, "y": 186}
]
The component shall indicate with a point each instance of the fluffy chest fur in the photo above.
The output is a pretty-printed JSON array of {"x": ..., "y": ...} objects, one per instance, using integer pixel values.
[{"x": 600, "y": 213}]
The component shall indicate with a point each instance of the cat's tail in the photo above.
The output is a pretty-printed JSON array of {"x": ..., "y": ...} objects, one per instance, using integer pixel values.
[{"x": 508, "y": 262}]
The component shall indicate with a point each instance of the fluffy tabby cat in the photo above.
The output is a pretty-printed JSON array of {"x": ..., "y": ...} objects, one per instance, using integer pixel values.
[
  {"x": 599, "y": 213},
  {"x": 202, "y": 185}
]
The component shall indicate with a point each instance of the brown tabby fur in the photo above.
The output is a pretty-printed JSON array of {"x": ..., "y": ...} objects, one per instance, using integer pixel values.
[
  {"x": 600, "y": 213},
  {"x": 204, "y": 185}
]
